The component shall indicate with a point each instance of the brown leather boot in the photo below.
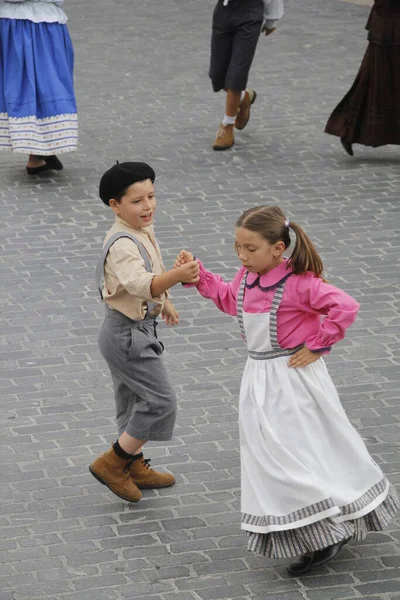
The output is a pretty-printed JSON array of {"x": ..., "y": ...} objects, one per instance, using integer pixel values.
[
  {"x": 145, "y": 477},
  {"x": 243, "y": 115},
  {"x": 113, "y": 471},
  {"x": 225, "y": 138}
]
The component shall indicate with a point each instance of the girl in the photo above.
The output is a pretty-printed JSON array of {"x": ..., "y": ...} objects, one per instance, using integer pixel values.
[
  {"x": 308, "y": 484},
  {"x": 38, "y": 114}
]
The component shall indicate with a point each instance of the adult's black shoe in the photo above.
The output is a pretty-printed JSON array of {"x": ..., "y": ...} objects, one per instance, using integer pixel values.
[
  {"x": 37, "y": 170},
  {"x": 53, "y": 162},
  {"x": 347, "y": 146}
]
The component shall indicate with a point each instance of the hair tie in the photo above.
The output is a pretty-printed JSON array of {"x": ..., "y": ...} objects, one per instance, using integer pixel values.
[{"x": 287, "y": 222}]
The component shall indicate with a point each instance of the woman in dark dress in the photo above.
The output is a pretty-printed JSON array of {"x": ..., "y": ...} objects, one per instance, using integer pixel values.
[{"x": 369, "y": 114}]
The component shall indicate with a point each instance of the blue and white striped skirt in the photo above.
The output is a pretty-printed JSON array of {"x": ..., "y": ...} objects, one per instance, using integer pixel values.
[{"x": 38, "y": 113}]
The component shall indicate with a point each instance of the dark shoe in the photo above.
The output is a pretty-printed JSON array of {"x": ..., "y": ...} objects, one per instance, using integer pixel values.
[
  {"x": 305, "y": 563},
  {"x": 321, "y": 557},
  {"x": 243, "y": 115},
  {"x": 36, "y": 170},
  {"x": 53, "y": 163},
  {"x": 301, "y": 565},
  {"x": 347, "y": 146}
]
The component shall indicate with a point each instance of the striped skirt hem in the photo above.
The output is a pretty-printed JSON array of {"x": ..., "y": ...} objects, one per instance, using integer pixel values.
[
  {"x": 290, "y": 543},
  {"x": 30, "y": 135}
]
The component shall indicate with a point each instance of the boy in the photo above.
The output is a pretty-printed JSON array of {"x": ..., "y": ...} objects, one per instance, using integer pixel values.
[
  {"x": 236, "y": 28},
  {"x": 135, "y": 292}
]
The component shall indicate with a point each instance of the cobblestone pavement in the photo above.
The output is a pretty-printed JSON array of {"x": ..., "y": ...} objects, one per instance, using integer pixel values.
[{"x": 144, "y": 93}]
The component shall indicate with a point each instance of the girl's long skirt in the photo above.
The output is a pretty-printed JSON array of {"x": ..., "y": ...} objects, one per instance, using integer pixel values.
[
  {"x": 308, "y": 480},
  {"x": 38, "y": 113},
  {"x": 369, "y": 114}
]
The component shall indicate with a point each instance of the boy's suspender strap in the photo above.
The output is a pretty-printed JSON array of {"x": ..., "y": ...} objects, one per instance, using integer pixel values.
[{"x": 106, "y": 249}]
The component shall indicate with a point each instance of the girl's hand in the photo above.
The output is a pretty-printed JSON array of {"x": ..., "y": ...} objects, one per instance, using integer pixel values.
[
  {"x": 183, "y": 257},
  {"x": 170, "y": 314},
  {"x": 303, "y": 357},
  {"x": 189, "y": 272}
]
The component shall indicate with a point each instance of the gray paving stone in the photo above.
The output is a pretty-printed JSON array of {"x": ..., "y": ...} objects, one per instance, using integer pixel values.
[
  {"x": 99, "y": 582},
  {"x": 108, "y": 594},
  {"x": 336, "y": 593},
  {"x": 383, "y": 587},
  {"x": 276, "y": 596},
  {"x": 229, "y": 591},
  {"x": 312, "y": 581}
]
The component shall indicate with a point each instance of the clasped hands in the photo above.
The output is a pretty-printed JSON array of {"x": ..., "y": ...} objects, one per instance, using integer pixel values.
[
  {"x": 186, "y": 261},
  {"x": 188, "y": 273}
]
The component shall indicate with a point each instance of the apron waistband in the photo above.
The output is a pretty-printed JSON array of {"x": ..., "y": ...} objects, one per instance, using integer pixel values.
[{"x": 273, "y": 353}]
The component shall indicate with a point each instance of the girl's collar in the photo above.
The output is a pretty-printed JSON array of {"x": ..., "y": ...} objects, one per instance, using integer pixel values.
[{"x": 271, "y": 279}]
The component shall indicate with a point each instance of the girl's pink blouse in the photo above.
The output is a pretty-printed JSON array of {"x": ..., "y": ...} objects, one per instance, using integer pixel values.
[{"x": 311, "y": 312}]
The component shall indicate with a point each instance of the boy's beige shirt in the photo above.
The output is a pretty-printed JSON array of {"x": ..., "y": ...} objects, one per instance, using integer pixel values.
[{"x": 126, "y": 281}]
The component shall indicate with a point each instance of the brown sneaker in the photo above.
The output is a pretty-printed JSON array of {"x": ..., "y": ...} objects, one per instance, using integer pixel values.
[
  {"x": 113, "y": 471},
  {"x": 145, "y": 477},
  {"x": 225, "y": 138},
  {"x": 243, "y": 115}
]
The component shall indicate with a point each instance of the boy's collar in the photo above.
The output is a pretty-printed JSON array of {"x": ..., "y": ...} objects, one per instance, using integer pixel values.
[{"x": 144, "y": 229}]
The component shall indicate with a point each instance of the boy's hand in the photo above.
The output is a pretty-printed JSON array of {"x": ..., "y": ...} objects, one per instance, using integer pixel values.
[
  {"x": 267, "y": 31},
  {"x": 189, "y": 272},
  {"x": 183, "y": 257},
  {"x": 170, "y": 314},
  {"x": 303, "y": 357}
]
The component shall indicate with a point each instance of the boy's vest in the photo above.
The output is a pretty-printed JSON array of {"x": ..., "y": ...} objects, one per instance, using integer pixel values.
[{"x": 103, "y": 258}]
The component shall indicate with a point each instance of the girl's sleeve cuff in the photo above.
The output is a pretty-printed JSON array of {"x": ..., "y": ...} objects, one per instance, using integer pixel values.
[{"x": 270, "y": 24}]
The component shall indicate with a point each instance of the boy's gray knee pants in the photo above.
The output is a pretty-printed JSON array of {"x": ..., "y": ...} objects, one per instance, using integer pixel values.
[{"x": 144, "y": 397}]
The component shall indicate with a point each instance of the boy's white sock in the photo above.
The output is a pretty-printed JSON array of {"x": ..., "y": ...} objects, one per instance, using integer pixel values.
[
  {"x": 228, "y": 120},
  {"x": 242, "y": 95}
]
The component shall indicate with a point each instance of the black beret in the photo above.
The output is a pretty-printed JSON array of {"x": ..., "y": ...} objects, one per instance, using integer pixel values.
[{"x": 121, "y": 176}]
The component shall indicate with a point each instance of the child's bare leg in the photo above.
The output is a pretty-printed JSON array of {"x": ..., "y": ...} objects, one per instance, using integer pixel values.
[{"x": 232, "y": 103}]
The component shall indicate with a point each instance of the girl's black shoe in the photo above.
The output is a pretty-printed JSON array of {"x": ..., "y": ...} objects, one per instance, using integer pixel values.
[{"x": 305, "y": 563}]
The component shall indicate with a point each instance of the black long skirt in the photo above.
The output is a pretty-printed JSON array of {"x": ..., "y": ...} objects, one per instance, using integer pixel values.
[{"x": 369, "y": 114}]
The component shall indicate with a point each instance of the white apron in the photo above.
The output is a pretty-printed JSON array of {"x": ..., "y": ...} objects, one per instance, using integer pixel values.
[{"x": 301, "y": 460}]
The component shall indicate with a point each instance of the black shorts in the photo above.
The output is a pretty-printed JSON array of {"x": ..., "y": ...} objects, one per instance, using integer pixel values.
[{"x": 236, "y": 29}]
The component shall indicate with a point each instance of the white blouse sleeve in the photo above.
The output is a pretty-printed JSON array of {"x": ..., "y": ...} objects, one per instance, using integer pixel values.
[{"x": 273, "y": 11}]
